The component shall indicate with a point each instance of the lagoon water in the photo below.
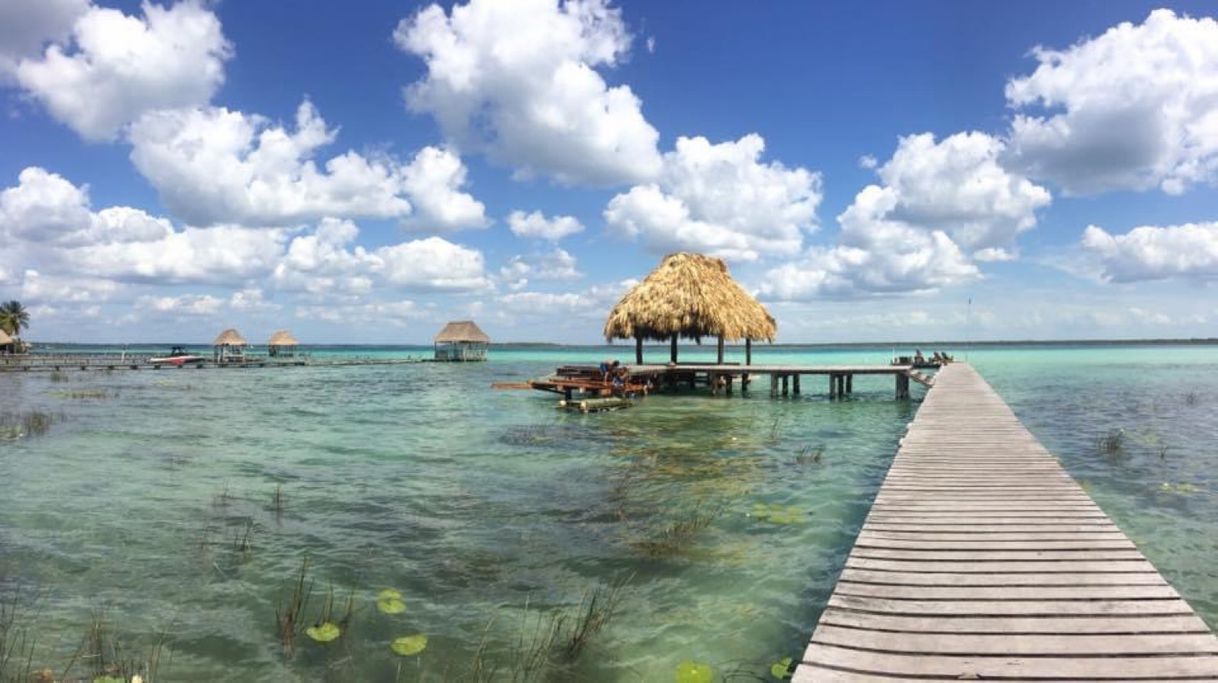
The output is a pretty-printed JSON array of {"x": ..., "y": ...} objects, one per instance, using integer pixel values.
[{"x": 491, "y": 512}]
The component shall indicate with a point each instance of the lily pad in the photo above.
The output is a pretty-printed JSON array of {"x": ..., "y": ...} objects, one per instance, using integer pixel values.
[
  {"x": 781, "y": 669},
  {"x": 391, "y": 605},
  {"x": 324, "y": 632},
  {"x": 409, "y": 645},
  {"x": 690, "y": 671},
  {"x": 389, "y": 594},
  {"x": 109, "y": 679}
]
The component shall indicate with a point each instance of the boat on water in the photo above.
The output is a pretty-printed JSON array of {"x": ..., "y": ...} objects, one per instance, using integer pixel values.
[{"x": 178, "y": 355}]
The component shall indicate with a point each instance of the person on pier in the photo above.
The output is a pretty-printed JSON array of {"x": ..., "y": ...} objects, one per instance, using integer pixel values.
[{"x": 607, "y": 368}]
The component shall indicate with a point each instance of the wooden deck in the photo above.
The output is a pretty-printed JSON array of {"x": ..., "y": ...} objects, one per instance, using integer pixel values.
[{"x": 982, "y": 559}]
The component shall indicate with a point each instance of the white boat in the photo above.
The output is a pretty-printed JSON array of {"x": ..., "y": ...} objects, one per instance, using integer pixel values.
[{"x": 177, "y": 356}]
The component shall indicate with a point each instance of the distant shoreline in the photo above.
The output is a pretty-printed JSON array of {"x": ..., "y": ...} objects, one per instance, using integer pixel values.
[{"x": 937, "y": 344}]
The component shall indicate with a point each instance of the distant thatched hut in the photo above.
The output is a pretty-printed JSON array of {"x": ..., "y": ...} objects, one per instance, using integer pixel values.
[
  {"x": 461, "y": 340},
  {"x": 229, "y": 346},
  {"x": 692, "y": 296},
  {"x": 282, "y": 344},
  {"x": 7, "y": 343}
]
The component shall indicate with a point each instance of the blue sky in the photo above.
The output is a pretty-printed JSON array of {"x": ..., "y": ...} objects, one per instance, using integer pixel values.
[{"x": 366, "y": 174}]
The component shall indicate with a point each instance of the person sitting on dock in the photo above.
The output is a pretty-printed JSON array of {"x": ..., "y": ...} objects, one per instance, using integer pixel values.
[
  {"x": 607, "y": 368},
  {"x": 918, "y": 357},
  {"x": 620, "y": 374},
  {"x": 937, "y": 358}
]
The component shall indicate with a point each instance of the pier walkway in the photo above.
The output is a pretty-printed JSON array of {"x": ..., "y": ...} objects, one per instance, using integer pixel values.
[{"x": 981, "y": 559}]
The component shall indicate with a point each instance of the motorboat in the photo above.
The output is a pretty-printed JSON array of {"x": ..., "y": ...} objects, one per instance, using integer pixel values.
[{"x": 178, "y": 355}]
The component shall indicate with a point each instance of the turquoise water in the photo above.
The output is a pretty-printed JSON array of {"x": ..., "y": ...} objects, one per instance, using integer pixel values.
[{"x": 149, "y": 502}]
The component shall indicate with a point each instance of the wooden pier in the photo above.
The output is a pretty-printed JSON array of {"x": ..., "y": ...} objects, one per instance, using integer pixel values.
[
  {"x": 99, "y": 362},
  {"x": 982, "y": 559},
  {"x": 721, "y": 378}
]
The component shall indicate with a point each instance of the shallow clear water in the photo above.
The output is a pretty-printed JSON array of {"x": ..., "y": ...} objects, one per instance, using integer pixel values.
[{"x": 491, "y": 512}]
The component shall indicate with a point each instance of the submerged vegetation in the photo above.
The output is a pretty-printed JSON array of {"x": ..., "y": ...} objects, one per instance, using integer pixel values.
[{"x": 14, "y": 426}]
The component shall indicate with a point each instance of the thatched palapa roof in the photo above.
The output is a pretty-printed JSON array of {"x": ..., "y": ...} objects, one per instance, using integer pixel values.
[
  {"x": 230, "y": 337},
  {"x": 282, "y": 338},
  {"x": 5, "y": 340},
  {"x": 690, "y": 295},
  {"x": 462, "y": 331}
]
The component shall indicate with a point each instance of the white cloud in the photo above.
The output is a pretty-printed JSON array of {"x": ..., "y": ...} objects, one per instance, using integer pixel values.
[
  {"x": 1155, "y": 253},
  {"x": 214, "y": 165},
  {"x": 536, "y": 225},
  {"x": 117, "y": 66},
  {"x": 720, "y": 199},
  {"x": 433, "y": 263},
  {"x": 187, "y": 304},
  {"x": 941, "y": 207},
  {"x": 433, "y": 180},
  {"x": 27, "y": 25},
  {"x": 590, "y": 303},
  {"x": 1130, "y": 109},
  {"x": 44, "y": 207},
  {"x": 518, "y": 81},
  {"x": 44, "y": 288},
  {"x": 251, "y": 299},
  {"x": 554, "y": 265},
  {"x": 396, "y": 313},
  {"x": 221, "y": 255}
]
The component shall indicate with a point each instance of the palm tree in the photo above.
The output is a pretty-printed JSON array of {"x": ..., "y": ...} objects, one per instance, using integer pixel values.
[{"x": 14, "y": 317}]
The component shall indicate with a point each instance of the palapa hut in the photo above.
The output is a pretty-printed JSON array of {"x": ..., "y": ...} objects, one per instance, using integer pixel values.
[
  {"x": 692, "y": 296},
  {"x": 7, "y": 343},
  {"x": 229, "y": 346},
  {"x": 461, "y": 340},
  {"x": 282, "y": 344}
]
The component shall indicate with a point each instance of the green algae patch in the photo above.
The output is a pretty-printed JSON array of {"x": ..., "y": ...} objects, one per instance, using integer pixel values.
[
  {"x": 690, "y": 671},
  {"x": 777, "y": 514},
  {"x": 389, "y": 601},
  {"x": 408, "y": 646},
  {"x": 324, "y": 632},
  {"x": 781, "y": 669}
]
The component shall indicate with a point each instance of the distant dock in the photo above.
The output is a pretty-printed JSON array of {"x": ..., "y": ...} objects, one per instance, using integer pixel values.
[
  {"x": 785, "y": 380},
  {"x": 86, "y": 362},
  {"x": 982, "y": 559}
]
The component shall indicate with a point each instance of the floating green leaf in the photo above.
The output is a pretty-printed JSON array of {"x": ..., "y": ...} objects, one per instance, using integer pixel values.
[
  {"x": 109, "y": 679},
  {"x": 324, "y": 632},
  {"x": 409, "y": 645},
  {"x": 389, "y": 594},
  {"x": 391, "y": 605},
  {"x": 690, "y": 671},
  {"x": 781, "y": 669}
]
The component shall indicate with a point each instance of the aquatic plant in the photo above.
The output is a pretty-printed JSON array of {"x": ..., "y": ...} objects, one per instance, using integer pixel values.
[
  {"x": 289, "y": 611},
  {"x": 407, "y": 646},
  {"x": 83, "y": 394},
  {"x": 596, "y": 609},
  {"x": 777, "y": 514},
  {"x": 690, "y": 671},
  {"x": 13, "y": 426},
  {"x": 108, "y": 659},
  {"x": 59, "y": 376},
  {"x": 781, "y": 669},
  {"x": 389, "y": 601},
  {"x": 278, "y": 503},
  {"x": 324, "y": 632},
  {"x": 810, "y": 455},
  {"x": 241, "y": 539},
  {"x": 16, "y": 646},
  {"x": 326, "y": 627},
  {"x": 678, "y": 533},
  {"x": 1112, "y": 443}
]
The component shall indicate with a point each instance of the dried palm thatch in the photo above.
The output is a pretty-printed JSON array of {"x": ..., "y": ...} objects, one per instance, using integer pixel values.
[
  {"x": 459, "y": 331},
  {"x": 282, "y": 338},
  {"x": 230, "y": 337},
  {"x": 689, "y": 295},
  {"x": 5, "y": 340}
]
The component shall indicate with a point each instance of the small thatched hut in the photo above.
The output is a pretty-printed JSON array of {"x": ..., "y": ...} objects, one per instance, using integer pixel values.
[
  {"x": 282, "y": 344},
  {"x": 7, "y": 343},
  {"x": 692, "y": 296},
  {"x": 461, "y": 340},
  {"x": 229, "y": 346}
]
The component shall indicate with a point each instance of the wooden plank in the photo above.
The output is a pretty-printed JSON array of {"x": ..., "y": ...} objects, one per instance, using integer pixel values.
[
  {"x": 1182, "y": 623},
  {"x": 1007, "y": 667},
  {"x": 982, "y": 558},
  {"x": 1041, "y": 645}
]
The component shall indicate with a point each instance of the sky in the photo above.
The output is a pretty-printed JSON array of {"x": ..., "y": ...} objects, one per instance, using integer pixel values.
[{"x": 364, "y": 172}]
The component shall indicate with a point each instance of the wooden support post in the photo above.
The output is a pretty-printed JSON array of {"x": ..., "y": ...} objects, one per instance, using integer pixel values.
[
  {"x": 720, "y": 361},
  {"x": 902, "y": 386},
  {"x": 785, "y": 386},
  {"x": 832, "y": 387},
  {"x": 748, "y": 351},
  {"x": 795, "y": 388},
  {"x": 773, "y": 385},
  {"x": 672, "y": 350},
  {"x": 841, "y": 386},
  {"x": 849, "y": 384},
  {"x": 693, "y": 380},
  {"x": 731, "y": 379},
  {"x": 638, "y": 350}
]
